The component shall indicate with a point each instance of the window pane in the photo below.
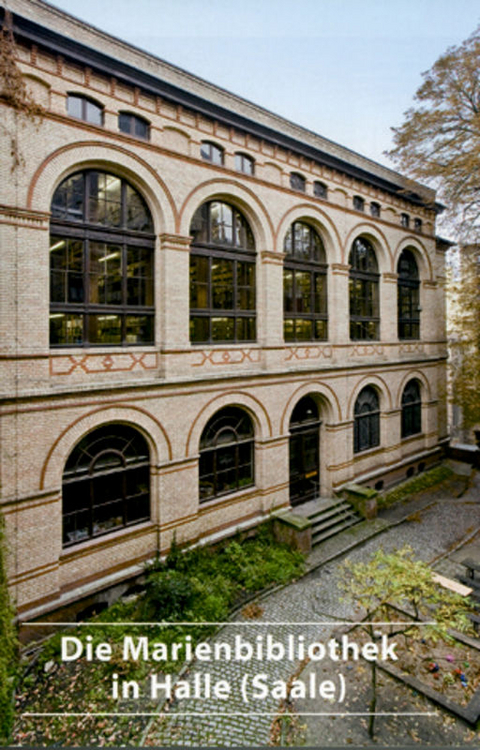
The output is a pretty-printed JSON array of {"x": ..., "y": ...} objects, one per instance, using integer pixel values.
[
  {"x": 105, "y": 329},
  {"x": 139, "y": 329},
  {"x": 223, "y": 329},
  {"x": 288, "y": 290},
  {"x": 303, "y": 295},
  {"x": 289, "y": 329},
  {"x": 124, "y": 122},
  {"x": 246, "y": 329},
  {"x": 138, "y": 216},
  {"x": 66, "y": 329},
  {"x": 75, "y": 106},
  {"x": 93, "y": 113},
  {"x": 222, "y": 284},
  {"x": 303, "y": 329},
  {"x": 199, "y": 329},
  {"x": 105, "y": 287},
  {"x": 199, "y": 282}
]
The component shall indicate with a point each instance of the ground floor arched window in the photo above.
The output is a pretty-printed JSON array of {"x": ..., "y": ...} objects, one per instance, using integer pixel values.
[
  {"x": 304, "y": 451},
  {"x": 366, "y": 420},
  {"x": 411, "y": 409},
  {"x": 106, "y": 483},
  {"x": 226, "y": 453}
]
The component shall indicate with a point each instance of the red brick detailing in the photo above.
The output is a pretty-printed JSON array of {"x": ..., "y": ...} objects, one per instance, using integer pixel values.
[
  {"x": 227, "y": 357},
  {"x": 95, "y": 363}
]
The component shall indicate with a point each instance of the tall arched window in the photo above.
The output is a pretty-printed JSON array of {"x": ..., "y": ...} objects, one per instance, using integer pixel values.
[
  {"x": 304, "y": 285},
  {"x": 366, "y": 420},
  {"x": 106, "y": 483},
  {"x": 101, "y": 263},
  {"x": 364, "y": 305},
  {"x": 411, "y": 409},
  {"x": 222, "y": 276},
  {"x": 226, "y": 453},
  {"x": 408, "y": 297}
]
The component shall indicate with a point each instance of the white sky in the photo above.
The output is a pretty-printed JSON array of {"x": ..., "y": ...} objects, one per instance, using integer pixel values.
[{"x": 346, "y": 69}]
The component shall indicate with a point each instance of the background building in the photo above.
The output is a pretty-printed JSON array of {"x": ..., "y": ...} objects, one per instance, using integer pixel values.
[{"x": 208, "y": 314}]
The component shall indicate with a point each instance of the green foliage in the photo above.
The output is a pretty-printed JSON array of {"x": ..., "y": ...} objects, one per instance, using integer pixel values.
[
  {"x": 397, "y": 579},
  {"x": 439, "y": 140},
  {"x": 200, "y": 585},
  {"x": 464, "y": 335},
  {"x": 416, "y": 484},
  {"x": 8, "y": 649}
]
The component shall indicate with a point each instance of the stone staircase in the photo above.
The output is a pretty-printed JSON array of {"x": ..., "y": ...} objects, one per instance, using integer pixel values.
[{"x": 328, "y": 517}]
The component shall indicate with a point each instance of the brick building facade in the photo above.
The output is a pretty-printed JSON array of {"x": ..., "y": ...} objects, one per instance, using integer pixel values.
[{"x": 208, "y": 313}]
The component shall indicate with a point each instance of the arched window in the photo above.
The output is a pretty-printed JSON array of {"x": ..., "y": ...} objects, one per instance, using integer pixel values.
[
  {"x": 320, "y": 190},
  {"x": 297, "y": 181},
  {"x": 84, "y": 109},
  {"x": 304, "y": 285},
  {"x": 222, "y": 276},
  {"x": 408, "y": 297},
  {"x": 134, "y": 125},
  {"x": 411, "y": 409},
  {"x": 226, "y": 453},
  {"x": 358, "y": 203},
  {"x": 106, "y": 483},
  {"x": 101, "y": 263},
  {"x": 366, "y": 420},
  {"x": 364, "y": 307},
  {"x": 211, "y": 152},
  {"x": 244, "y": 163}
]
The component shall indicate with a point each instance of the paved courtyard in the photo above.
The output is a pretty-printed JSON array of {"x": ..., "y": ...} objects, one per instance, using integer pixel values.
[{"x": 434, "y": 524}]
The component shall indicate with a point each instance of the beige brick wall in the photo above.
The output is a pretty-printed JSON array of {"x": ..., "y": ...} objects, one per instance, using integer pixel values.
[{"x": 51, "y": 398}]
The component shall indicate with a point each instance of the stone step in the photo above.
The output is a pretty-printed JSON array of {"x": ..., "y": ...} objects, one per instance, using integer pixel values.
[
  {"x": 330, "y": 516},
  {"x": 332, "y": 530},
  {"x": 339, "y": 507}
]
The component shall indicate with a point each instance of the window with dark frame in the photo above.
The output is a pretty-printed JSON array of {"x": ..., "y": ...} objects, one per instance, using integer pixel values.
[
  {"x": 411, "y": 409},
  {"x": 358, "y": 203},
  {"x": 101, "y": 263},
  {"x": 417, "y": 225},
  {"x": 222, "y": 276},
  {"x": 211, "y": 152},
  {"x": 364, "y": 292},
  {"x": 405, "y": 220},
  {"x": 366, "y": 426},
  {"x": 244, "y": 163},
  {"x": 375, "y": 210},
  {"x": 305, "y": 307},
  {"x": 320, "y": 190},
  {"x": 408, "y": 296},
  {"x": 227, "y": 449},
  {"x": 106, "y": 484},
  {"x": 134, "y": 125},
  {"x": 84, "y": 109},
  {"x": 297, "y": 182}
]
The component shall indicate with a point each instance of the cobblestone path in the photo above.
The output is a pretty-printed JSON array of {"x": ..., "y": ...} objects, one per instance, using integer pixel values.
[{"x": 315, "y": 599}]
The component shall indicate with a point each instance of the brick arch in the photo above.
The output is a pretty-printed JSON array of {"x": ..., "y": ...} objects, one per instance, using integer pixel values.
[
  {"x": 256, "y": 410},
  {"x": 239, "y": 195},
  {"x": 321, "y": 392},
  {"x": 378, "y": 240},
  {"x": 153, "y": 431},
  {"x": 316, "y": 216},
  {"x": 117, "y": 159},
  {"x": 376, "y": 382},
  {"x": 421, "y": 256},
  {"x": 414, "y": 375}
]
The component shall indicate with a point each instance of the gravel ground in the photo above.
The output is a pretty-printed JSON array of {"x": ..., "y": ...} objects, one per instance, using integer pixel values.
[{"x": 434, "y": 524}]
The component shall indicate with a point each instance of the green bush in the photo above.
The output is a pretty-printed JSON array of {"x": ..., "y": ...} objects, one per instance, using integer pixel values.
[
  {"x": 416, "y": 484},
  {"x": 8, "y": 649}
]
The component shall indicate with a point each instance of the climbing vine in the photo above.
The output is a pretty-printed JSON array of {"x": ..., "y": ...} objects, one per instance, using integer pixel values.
[{"x": 13, "y": 89}]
